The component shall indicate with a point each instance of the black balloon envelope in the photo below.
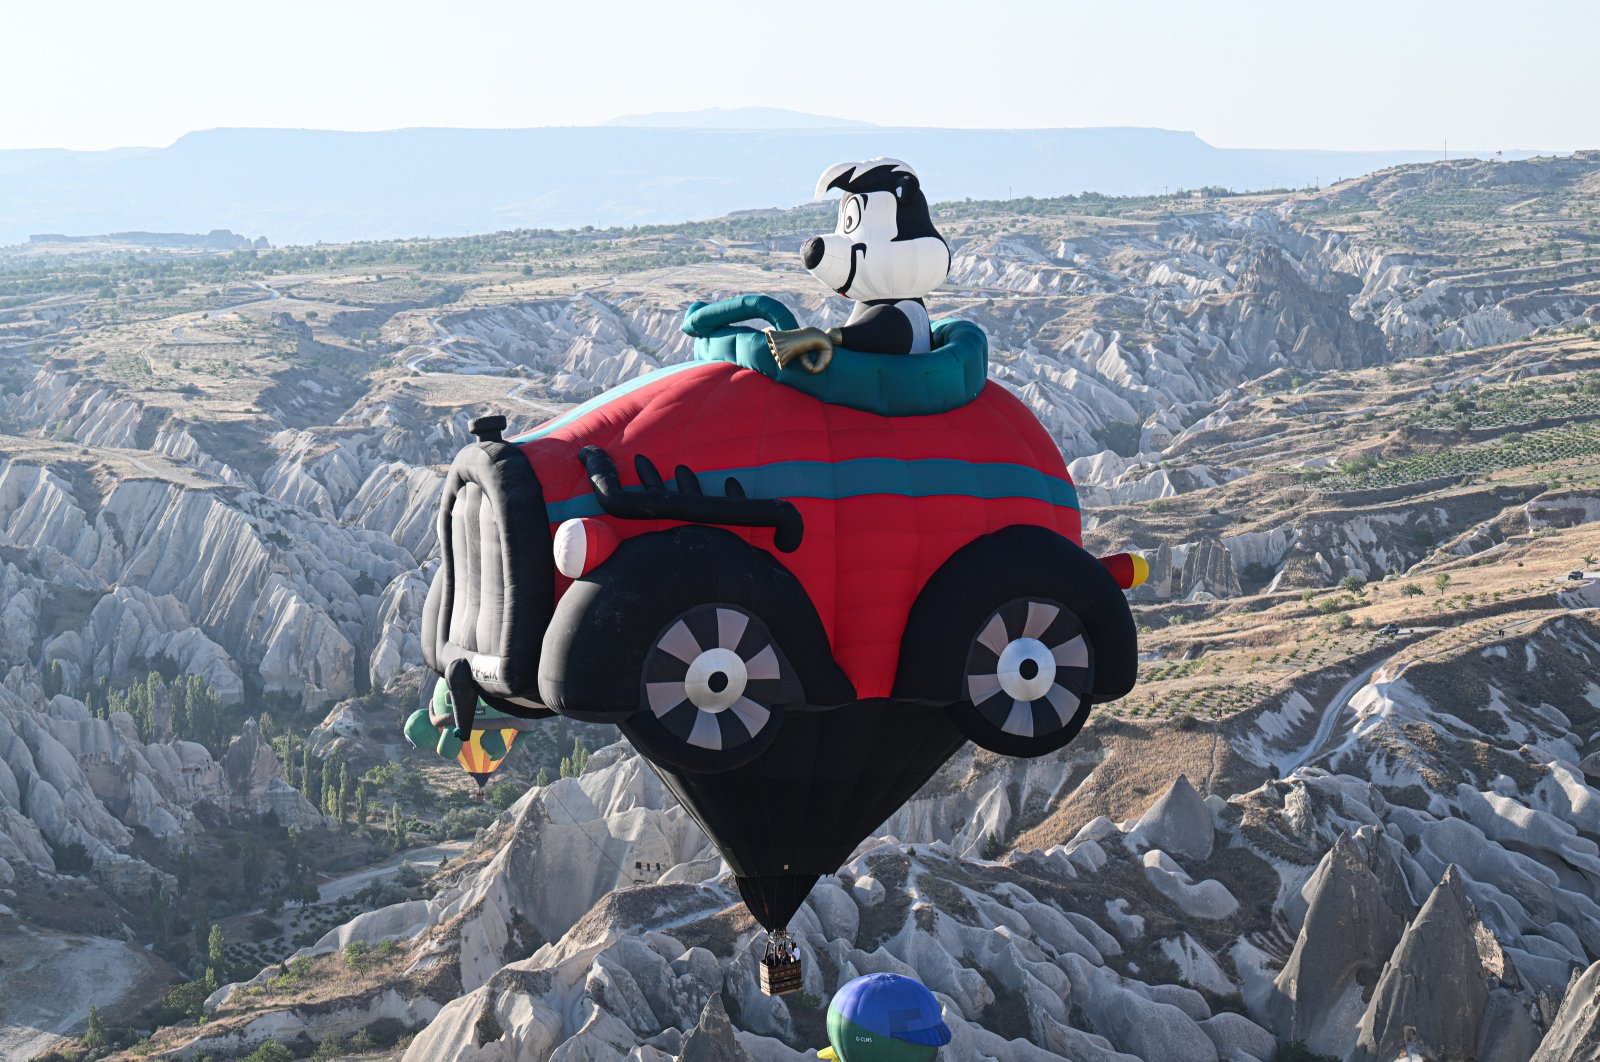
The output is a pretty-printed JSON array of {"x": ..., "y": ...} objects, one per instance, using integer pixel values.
[{"x": 797, "y": 811}]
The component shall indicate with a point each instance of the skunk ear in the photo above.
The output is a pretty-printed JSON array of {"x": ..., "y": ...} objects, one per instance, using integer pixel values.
[
  {"x": 832, "y": 177},
  {"x": 905, "y": 182}
]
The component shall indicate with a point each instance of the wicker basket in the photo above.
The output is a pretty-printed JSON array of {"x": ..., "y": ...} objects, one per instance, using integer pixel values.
[{"x": 780, "y": 978}]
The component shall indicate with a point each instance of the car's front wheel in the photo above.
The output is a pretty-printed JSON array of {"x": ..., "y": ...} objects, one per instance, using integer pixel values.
[
  {"x": 1017, "y": 635},
  {"x": 711, "y": 690},
  {"x": 1029, "y": 678}
]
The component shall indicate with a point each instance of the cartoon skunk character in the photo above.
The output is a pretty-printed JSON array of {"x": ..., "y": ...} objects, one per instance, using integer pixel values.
[{"x": 884, "y": 253}]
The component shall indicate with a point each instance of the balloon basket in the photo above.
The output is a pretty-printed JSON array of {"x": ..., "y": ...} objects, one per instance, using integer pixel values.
[
  {"x": 781, "y": 972},
  {"x": 781, "y": 978}
]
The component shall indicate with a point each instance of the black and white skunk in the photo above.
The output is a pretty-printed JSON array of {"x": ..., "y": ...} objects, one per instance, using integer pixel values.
[{"x": 884, "y": 253}]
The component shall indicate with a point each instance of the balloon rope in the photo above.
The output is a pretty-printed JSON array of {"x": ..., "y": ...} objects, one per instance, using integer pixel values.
[{"x": 551, "y": 790}]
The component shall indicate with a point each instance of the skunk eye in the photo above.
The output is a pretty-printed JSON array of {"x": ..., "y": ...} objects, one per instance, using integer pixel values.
[{"x": 850, "y": 213}]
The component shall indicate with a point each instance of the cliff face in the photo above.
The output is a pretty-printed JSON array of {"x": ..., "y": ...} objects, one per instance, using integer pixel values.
[
  {"x": 69, "y": 779},
  {"x": 224, "y": 582}
]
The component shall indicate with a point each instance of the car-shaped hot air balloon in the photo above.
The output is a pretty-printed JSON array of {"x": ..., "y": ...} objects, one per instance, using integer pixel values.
[{"x": 796, "y": 593}]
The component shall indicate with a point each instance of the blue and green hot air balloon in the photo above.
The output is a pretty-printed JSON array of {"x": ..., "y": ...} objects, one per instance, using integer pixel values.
[{"x": 884, "y": 1018}]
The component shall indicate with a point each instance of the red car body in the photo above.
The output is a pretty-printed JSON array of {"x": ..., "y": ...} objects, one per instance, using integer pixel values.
[{"x": 885, "y": 501}]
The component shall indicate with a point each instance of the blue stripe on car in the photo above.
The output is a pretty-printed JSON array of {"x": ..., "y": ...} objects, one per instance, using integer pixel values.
[{"x": 835, "y": 480}]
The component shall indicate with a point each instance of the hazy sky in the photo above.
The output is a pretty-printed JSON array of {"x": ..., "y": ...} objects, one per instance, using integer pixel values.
[{"x": 1274, "y": 73}]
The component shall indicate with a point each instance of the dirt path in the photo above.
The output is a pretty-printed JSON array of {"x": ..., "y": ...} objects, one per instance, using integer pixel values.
[
  {"x": 1293, "y": 761},
  {"x": 48, "y": 981},
  {"x": 424, "y": 859}
]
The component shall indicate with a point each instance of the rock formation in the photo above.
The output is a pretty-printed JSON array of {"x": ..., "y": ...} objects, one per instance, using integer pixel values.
[{"x": 1575, "y": 1033}]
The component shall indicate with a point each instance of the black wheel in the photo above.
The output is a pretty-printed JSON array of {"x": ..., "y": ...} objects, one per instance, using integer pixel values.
[
  {"x": 711, "y": 691},
  {"x": 989, "y": 576},
  {"x": 1029, "y": 679}
]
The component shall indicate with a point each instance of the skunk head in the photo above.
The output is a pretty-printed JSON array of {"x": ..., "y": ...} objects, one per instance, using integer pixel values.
[{"x": 884, "y": 245}]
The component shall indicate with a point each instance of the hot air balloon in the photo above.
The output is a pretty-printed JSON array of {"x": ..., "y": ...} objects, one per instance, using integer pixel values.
[
  {"x": 797, "y": 589},
  {"x": 884, "y": 1018},
  {"x": 486, "y": 744}
]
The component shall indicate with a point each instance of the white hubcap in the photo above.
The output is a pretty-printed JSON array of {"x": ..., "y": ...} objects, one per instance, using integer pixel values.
[
  {"x": 1027, "y": 669},
  {"x": 717, "y": 679}
]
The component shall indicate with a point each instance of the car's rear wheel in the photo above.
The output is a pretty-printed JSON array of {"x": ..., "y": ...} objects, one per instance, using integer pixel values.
[
  {"x": 1029, "y": 678},
  {"x": 711, "y": 690}
]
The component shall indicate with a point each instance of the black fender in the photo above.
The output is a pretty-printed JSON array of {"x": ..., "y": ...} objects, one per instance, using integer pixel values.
[
  {"x": 509, "y": 544},
  {"x": 486, "y": 609},
  {"x": 594, "y": 648},
  {"x": 1013, "y": 562}
]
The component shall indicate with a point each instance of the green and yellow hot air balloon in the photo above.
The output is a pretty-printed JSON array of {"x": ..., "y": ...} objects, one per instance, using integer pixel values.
[{"x": 488, "y": 743}]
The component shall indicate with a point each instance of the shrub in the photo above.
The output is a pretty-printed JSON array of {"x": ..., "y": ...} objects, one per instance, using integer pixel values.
[
  {"x": 330, "y": 1048},
  {"x": 503, "y": 794},
  {"x": 271, "y": 1051},
  {"x": 186, "y": 1002},
  {"x": 1297, "y": 1051},
  {"x": 71, "y": 858},
  {"x": 386, "y": 1032}
]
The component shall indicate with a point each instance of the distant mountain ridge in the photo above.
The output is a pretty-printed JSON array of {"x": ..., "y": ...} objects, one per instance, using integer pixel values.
[
  {"x": 737, "y": 118},
  {"x": 305, "y": 186}
]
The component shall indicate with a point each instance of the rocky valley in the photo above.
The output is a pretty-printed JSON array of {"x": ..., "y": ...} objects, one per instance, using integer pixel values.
[{"x": 1351, "y": 810}]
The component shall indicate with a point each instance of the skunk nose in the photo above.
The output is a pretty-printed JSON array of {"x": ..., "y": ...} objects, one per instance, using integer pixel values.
[{"x": 811, "y": 252}]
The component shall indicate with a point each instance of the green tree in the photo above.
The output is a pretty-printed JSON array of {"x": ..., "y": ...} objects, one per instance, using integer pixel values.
[
  {"x": 1411, "y": 590},
  {"x": 160, "y": 915},
  {"x": 309, "y": 778},
  {"x": 330, "y": 781},
  {"x": 345, "y": 796},
  {"x": 1441, "y": 582},
  {"x": 357, "y": 954},
  {"x": 253, "y": 866},
  {"x": 215, "y": 947},
  {"x": 52, "y": 679},
  {"x": 542, "y": 779},
  {"x": 361, "y": 803},
  {"x": 95, "y": 1038},
  {"x": 185, "y": 870},
  {"x": 155, "y": 693},
  {"x": 502, "y": 795},
  {"x": 291, "y": 853},
  {"x": 573, "y": 766}
]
